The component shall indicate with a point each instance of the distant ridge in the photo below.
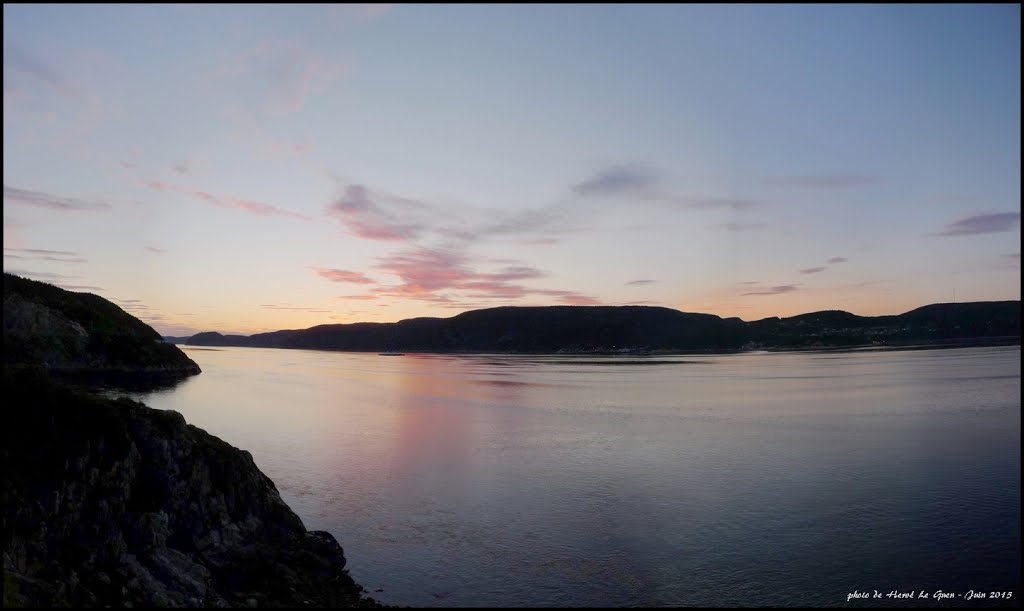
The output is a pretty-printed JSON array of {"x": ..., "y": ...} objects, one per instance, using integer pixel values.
[
  {"x": 172, "y": 339},
  {"x": 631, "y": 329}
]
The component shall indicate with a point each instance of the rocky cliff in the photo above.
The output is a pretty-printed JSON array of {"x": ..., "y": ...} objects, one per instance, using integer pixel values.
[
  {"x": 108, "y": 502},
  {"x": 82, "y": 333}
]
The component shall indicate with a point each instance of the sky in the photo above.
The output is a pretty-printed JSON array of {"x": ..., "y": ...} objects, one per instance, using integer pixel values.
[{"x": 253, "y": 168}]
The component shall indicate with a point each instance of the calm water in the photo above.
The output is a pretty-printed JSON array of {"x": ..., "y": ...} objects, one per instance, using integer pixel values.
[{"x": 740, "y": 480}]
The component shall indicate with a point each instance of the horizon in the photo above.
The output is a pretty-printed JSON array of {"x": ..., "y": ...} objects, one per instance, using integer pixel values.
[
  {"x": 560, "y": 306},
  {"x": 273, "y": 167},
  {"x": 391, "y": 322}
]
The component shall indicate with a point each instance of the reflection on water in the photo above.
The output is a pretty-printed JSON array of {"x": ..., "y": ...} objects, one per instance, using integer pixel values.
[{"x": 757, "y": 479}]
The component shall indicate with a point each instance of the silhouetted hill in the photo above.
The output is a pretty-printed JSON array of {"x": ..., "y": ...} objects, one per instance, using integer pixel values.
[
  {"x": 211, "y": 338},
  {"x": 513, "y": 329},
  {"x": 588, "y": 329},
  {"x": 937, "y": 323},
  {"x": 64, "y": 331},
  {"x": 976, "y": 319},
  {"x": 639, "y": 328},
  {"x": 176, "y": 339}
]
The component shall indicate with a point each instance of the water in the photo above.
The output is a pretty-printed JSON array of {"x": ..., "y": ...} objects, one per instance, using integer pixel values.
[{"x": 738, "y": 480}]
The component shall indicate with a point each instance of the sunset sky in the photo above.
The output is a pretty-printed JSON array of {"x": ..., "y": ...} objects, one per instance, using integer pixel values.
[{"x": 251, "y": 168}]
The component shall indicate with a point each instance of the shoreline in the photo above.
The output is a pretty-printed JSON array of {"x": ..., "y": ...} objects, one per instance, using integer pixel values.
[{"x": 981, "y": 342}]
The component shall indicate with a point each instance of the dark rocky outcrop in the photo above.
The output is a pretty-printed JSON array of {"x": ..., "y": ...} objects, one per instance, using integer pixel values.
[
  {"x": 108, "y": 502},
  {"x": 82, "y": 333}
]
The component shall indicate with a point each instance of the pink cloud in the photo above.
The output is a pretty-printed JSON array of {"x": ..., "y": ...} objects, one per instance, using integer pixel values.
[
  {"x": 381, "y": 231},
  {"x": 377, "y": 215},
  {"x": 261, "y": 208},
  {"x": 340, "y": 275},
  {"x": 374, "y": 216},
  {"x": 358, "y": 297},
  {"x": 222, "y": 201},
  {"x": 258, "y": 208},
  {"x": 424, "y": 270},
  {"x": 569, "y": 297},
  {"x": 446, "y": 276}
]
